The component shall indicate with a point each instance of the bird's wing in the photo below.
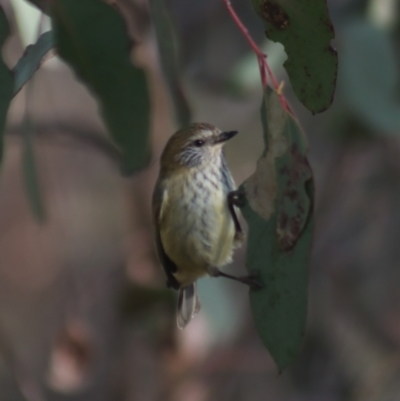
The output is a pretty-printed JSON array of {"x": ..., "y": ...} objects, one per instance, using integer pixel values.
[{"x": 160, "y": 197}]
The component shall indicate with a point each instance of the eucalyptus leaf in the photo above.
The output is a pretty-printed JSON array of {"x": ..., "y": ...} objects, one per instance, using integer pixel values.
[
  {"x": 30, "y": 174},
  {"x": 42, "y": 5},
  {"x": 279, "y": 214},
  {"x": 6, "y": 79},
  {"x": 31, "y": 60},
  {"x": 305, "y": 30},
  {"x": 168, "y": 51},
  {"x": 92, "y": 38},
  {"x": 369, "y": 76}
]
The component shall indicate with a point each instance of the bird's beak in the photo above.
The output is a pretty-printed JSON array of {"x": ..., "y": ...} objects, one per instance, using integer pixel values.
[{"x": 225, "y": 136}]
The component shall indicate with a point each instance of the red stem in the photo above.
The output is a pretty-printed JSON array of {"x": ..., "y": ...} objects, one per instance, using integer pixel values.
[{"x": 261, "y": 57}]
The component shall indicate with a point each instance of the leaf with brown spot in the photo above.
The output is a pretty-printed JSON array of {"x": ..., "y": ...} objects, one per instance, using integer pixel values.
[
  {"x": 305, "y": 30},
  {"x": 279, "y": 214},
  {"x": 294, "y": 174}
]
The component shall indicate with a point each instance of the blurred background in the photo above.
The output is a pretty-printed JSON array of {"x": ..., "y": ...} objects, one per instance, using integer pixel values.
[{"x": 84, "y": 312}]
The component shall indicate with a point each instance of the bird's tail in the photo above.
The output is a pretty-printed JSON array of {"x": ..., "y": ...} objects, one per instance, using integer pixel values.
[{"x": 188, "y": 305}]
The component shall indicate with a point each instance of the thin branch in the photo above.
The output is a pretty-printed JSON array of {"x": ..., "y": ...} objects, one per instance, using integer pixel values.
[
  {"x": 72, "y": 136},
  {"x": 261, "y": 57}
]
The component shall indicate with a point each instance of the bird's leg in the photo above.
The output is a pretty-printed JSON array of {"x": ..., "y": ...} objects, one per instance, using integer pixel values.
[
  {"x": 253, "y": 280},
  {"x": 236, "y": 198}
]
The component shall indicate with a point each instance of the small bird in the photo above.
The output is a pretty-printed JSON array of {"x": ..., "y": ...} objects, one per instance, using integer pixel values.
[{"x": 196, "y": 225}]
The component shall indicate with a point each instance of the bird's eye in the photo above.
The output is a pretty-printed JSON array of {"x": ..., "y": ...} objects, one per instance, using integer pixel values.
[{"x": 198, "y": 143}]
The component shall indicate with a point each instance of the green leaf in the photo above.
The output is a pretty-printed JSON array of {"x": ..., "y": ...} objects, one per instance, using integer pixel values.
[
  {"x": 6, "y": 80},
  {"x": 168, "y": 51},
  {"x": 279, "y": 214},
  {"x": 30, "y": 174},
  {"x": 305, "y": 30},
  {"x": 41, "y": 5},
  {"x": 31, "y": 60},
  {"x": 369, "y": 76},
  {"x": 92, "y": 38}
]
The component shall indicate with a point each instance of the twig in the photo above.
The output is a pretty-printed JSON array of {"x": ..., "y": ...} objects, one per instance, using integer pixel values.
[{"x": 264, "y": 67}]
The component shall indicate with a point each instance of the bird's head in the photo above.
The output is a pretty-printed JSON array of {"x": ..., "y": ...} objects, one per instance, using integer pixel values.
[{"x": 196, "y": 145}]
